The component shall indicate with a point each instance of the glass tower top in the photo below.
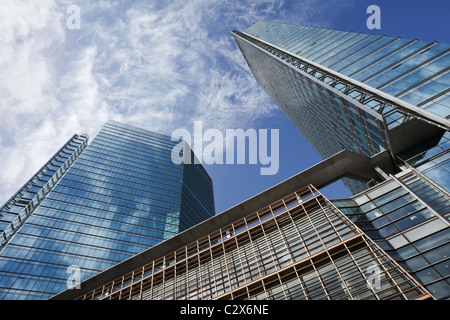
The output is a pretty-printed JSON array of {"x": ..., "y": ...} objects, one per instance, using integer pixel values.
[
  {"x": 367, "y": 93},
  {"x": 415, "y": 71},
  {"x": 116, "y": 197},
  {"x": 344, "y": 90}
]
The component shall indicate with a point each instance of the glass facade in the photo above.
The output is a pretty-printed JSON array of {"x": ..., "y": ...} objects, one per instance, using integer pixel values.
[
  {"x": 346, "y": 90},
  {"x": 326, "y": 118},
  {"x": 299, "y": 248},
  {"x": 409, "y": 219},
  {"x": 431, "y": 159},
  {"x": 414, "y": 71},
  {"x": 366, "y": 93},
  {"x": 19, "y": 206},
  {"x": 197, "y": 200},
  {"x": 121, "y": 195}
]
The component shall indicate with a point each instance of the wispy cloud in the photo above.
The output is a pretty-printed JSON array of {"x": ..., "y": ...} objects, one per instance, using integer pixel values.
[{"x": 159, "y": 65}]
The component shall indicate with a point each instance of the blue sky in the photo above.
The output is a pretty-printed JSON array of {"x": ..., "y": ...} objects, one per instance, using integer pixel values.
[{"x": 161, "y": 65}]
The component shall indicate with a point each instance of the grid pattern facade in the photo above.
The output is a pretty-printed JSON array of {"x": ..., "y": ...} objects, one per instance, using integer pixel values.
[
  {"x": 301, "y": 247},
  {"x": 414, "y": 71},
  {"x": 11, "y": 210},
  {"x": 329, "y": 119},
  {"x": 122, "y": 195},
  {"x": 329, "y": 84},
  {"x": 409, "y": 219},
  {"x": 197, "y": 199},
  {"x": 432, "y": 160}
]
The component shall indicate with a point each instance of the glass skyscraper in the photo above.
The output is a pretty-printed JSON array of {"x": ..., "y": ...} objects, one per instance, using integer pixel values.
[
  {"x": 376, "y": 109},
  {"x": 95, "y": 204},
  {"x": 371, "y": 95},
  {"x": 299, "y": 247},
  {"x": 354, "y": 91}
]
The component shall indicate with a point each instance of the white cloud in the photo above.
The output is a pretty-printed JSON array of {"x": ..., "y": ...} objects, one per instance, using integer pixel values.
[
  {"x": 159, "y": 65},
  {"x": 28, "y": 32}
]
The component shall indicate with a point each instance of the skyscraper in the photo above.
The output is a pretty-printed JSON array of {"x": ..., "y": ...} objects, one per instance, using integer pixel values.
[
  {"x": 371, "y": 95},
  {"x": 95, "y": 204},
  {"x": 375, "y": 108},
  {"x": 354, "y": 91},
  {"x": 279, "y": 245}
]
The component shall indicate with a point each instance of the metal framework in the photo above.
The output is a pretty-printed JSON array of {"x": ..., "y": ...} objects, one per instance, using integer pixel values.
[
  {"x": 28, "y": 210},
  {"x": 299, "y": 247},
  {"x": 377, "y": 100}
]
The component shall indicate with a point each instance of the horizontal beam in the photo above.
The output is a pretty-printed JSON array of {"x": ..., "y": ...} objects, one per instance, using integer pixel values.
[{"x": 343, "y": 164}]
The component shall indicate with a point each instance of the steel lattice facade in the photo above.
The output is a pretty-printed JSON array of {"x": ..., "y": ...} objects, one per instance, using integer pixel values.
[{"x": 300, "y": 247}]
